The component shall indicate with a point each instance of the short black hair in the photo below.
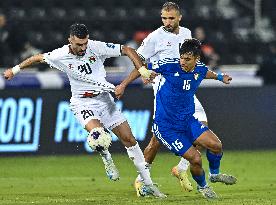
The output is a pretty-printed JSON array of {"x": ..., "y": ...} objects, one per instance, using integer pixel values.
[
  {"x": 191, "y": 46},
  {"x": 78, "y": 30},
  {"x": 170, "y": 6}
]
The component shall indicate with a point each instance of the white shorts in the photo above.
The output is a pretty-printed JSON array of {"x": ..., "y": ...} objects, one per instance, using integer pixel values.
[
  {"x": 199, "y": 111},
  {"x": 101, "y": 107}
]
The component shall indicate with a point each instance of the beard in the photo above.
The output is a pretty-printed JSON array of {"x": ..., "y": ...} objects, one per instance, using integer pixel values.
[
  {"x": 81, "y": 53},
  {"x": 170, "y": 28}
]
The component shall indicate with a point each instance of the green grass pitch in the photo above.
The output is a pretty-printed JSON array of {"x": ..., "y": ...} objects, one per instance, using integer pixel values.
[{"x": 81, "y": 180}]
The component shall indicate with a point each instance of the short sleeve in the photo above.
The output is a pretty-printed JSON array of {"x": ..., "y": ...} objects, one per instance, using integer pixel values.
[
  {"x": 147, "y": 48},
  {"x": 189, "y": 34},
  {"x": 52, "y": 59},
  {"x": 105, "y": 50},
  {"x": 202, "y": 69},
  {"x": 156, "y": 67}
]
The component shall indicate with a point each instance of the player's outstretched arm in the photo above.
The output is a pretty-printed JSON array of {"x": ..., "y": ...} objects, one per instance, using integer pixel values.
[
  {"x": 120, "y": 89},
  {"x": 221, "y": 77},
  {"x": 11, "y": 72},
  {"x": 135, "y": 73},
  {"x": 132, "y": 54}
]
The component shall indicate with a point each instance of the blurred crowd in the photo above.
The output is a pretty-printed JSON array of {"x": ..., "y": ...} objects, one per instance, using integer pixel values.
[
  {"x": 227, "y": 29},
  {"x": 14, "y": 45}
]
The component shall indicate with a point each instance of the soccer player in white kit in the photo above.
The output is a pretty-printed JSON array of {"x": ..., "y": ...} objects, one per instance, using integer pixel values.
[
  {"x": 163, "y": 43},
  {"x": 82, "y": 60}
]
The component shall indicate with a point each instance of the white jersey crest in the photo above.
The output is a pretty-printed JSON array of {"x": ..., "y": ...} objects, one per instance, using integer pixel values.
[{"x": 86, "y": 73}]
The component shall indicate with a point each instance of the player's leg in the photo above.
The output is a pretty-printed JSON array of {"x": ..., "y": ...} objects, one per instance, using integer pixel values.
[
  {"x": 214, "y": 154},
  {"x": 110, "y": 168},
  {"x": 180, "y": 170},
  {"x": 151, "y": 149},
  {"x": 113, "y": 119},
  {"x": 180, "y": 143},
  {"x": 123, "y": 132},
  {"x": 87, "y": 113},
  {"x": 198, "y": 174},
  {"x": 194, "y": 157},
  {"x": 200, "y": 115},
  {"x": 149, "y": 153}
]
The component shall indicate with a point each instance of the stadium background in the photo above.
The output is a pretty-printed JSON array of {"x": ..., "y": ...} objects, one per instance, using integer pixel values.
[
  {"x": 34, "y": 111},
  {"x": 43, "y": 155}
]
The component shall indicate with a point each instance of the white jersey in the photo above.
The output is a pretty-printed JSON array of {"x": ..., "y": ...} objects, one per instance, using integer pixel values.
[
  {"x": 161, "y": 44},
  {"x": 86, "y": 73}
]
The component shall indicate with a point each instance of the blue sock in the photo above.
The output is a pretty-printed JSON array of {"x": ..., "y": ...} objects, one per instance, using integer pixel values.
[
  {"x": 214, "y": 162},
  {"x": 200, "y": 180}
]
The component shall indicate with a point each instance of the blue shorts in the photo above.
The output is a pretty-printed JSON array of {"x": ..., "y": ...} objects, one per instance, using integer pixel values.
[{"x": 179, "y": 141}]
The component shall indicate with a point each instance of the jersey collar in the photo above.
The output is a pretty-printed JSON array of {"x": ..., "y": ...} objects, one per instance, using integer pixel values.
[{"x": 163, "y": 28}]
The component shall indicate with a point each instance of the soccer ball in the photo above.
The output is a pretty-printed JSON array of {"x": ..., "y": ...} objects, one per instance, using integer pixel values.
[{"x": 99, "y": 139}]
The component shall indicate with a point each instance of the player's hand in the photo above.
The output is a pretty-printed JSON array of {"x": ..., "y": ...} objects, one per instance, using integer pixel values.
[
  {"x": 227, "y": 79},
  {"x": 152, "y": 76},
  {"x": 119, "y": 91},
  {"x": 8, "y": 74},
  {"x": 145, "y": 81},
  {"x": 151, "y": 79}
]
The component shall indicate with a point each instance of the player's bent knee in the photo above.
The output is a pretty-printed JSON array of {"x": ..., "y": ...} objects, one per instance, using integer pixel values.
[
  {"x": 154, "y": 143},
  {"x": 196, "y": 161},
  {"x": 216, "y": 147},
  {"x": 128, "y": 141}
]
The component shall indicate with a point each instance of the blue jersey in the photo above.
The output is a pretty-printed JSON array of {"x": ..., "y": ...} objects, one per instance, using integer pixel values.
[{"x": 175, "y": 94}]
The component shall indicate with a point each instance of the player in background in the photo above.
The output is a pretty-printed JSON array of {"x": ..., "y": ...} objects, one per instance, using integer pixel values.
[
  {"x": 82, "y": 60},
  {"x": 164, "y": 43},
  {"x": 174, "y": 124}
]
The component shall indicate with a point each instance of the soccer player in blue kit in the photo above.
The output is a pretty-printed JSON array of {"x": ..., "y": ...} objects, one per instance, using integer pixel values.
[{"x": 174, "y": 124}]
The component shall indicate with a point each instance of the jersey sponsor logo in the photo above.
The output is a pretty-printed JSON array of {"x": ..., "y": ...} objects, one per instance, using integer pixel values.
[
  {"x": 196, "y": 76},
  {"x": 85, "y": 68},
  {"x": 110, "y": 45}
]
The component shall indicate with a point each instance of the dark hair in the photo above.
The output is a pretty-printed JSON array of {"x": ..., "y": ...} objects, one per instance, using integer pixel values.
[
  {"x": 78, "y": 30},
  {"x": 170, "y": 6},
  {"x": 191, "y": 46}
]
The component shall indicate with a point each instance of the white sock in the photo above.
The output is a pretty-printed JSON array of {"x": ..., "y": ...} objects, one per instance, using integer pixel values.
[
  {"x": 105, "y": 155},
  {"x": 183, "y": 165},
  {"x": 139, "y": 178},
  {"x": 136, "y": 155}
]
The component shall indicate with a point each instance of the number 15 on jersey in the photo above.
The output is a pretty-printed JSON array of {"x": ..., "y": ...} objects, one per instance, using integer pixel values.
[{"x": 186, "y": 85}]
